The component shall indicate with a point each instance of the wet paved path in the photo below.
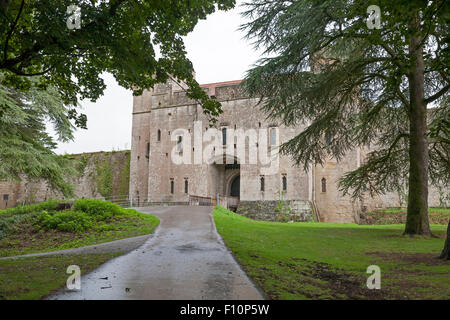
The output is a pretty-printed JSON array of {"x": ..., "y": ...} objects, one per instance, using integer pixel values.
[{"x": 185, "y": 259}]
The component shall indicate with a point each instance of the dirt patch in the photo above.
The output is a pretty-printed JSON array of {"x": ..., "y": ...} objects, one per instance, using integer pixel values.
[
  {"x": 341, "y": 283},
  {"x": 428, "y": 259},
  {"x": 321, "y": 281},
  {"x": 317, "y": 281}
]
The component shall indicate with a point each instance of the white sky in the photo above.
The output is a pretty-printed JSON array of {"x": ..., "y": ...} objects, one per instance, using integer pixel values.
[{"x": 217, "y": 50}]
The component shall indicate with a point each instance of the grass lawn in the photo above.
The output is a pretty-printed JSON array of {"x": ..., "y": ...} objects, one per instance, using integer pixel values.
[
  {"x": 398, "y": 215},
  {"x": 31, "y": 229},
  {"x": 34, "y": 277},
  {"x": 308, "y": 260}
]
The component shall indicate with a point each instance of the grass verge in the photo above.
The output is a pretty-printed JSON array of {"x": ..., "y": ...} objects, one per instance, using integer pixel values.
[
  {"x": 41, "y": 228},
  {"x": 398, "y": 216},
  {"x": 329, "y": 260},
  {"x": 33, "y": 278}
]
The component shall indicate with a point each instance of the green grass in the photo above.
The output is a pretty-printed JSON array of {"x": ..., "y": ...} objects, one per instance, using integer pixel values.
[
  {"x": 445, "y": 211},
  {"x": 32, "y": 229},
  {"x": 310, "y": 260},
  {"x": 398, "y": 215},
  {"x": 32, "y": 278}
]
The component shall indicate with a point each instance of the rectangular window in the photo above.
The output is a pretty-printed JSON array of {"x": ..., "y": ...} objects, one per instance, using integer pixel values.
[
  {"x": 262, "y": 183},
  {"x": 186, "y": 186},
  {"x": 224, "y": 136},
  {"x": 147, "y": 152},
  {"x": 172, "y": 187},
  {"x": 273, "y": 136},
  {"x": 5, "y": 197},
  {"x": 284, "y": 182},
  {"x": 180, "y": 144}
]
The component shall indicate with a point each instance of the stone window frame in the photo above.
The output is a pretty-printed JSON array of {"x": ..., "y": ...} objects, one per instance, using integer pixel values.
[
  {"x": 147, "y": 151},
  {"x": 324, "y": 185},
  {"x": 172, "y": 186},
  {"x": 186, "y": 185},
  {"x": 262, "y": 185},
  {"x": 158, "y": 135},
  {"x": 284, "y": 182},
  {"x": 224, "y": 131},
  {"x": 5, "y": 197},
  {"x": 272, "y": 129}
]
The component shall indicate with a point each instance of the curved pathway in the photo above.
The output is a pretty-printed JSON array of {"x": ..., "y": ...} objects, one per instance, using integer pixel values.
[
  {"x": 184, "y": 259},
  {"x": 121, "y": 245}
]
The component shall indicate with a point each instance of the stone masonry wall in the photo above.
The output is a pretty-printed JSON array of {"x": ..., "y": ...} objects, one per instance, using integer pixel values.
[
  {"x": 103, "y": 175},
  {"x": 155, "y": 177},
  {"x": 294, "y": 210},
  {"x": 157, "y": 114}
]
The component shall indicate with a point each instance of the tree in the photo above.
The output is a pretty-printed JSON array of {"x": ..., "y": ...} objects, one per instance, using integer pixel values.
[
  {"x": 38, "y": 37},
  {"x": 360, "y": 86},
  {"x": 445, "y": 254},
  {"x": 25, "y": 146},
  {"x": 48, "y": 59}
]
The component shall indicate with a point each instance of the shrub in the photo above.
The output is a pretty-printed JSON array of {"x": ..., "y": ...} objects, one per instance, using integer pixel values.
[
  {"x": 68, "y": 221},
  {"x": 98, "y": 209},
  {"x": 47, "y": 205},
  {"x": 7, "y": 224}
]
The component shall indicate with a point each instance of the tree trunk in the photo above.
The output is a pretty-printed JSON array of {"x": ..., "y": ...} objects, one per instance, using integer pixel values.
[
  {"x": 417, "y": 217},
  {"x": 445, "y": 252}
]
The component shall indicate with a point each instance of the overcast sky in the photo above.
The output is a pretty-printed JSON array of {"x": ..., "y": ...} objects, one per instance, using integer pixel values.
[{"x": 217, "y": 50}]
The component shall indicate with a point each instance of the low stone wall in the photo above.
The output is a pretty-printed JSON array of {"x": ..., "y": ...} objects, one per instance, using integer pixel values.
[
  {"x": 285, "y": 210},
  {"x": 163, "y": 203}
]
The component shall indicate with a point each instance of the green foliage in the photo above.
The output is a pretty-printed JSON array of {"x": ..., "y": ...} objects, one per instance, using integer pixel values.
[
  {"x": 283, "y": 208},
  {"x": 104, "y": 178},
  {"x": 41, "y": 228},
  {"x": 357, "y": 87},
  {"x": 98, "y": 209},
  {"x": 124, "y": 177},
  {"x": 26, "y": 147},
  {"x": 351, "y": 82},
  {"x": 117, "y": 36},
  {"x": 68, "y": 221},
  {"x": 20, "y": 210},
  {"x": 11, "y": 219},
  {"x": 81, "y": 164}
]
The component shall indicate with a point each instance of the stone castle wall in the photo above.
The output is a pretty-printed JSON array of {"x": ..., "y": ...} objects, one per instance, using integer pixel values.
[
  {"x": 166, "y": 108},
  {"x": 103, "y": 175},
  {"x": 273, "y": 210}
]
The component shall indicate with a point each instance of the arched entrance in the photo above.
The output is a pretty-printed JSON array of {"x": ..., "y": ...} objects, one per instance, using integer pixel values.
[{"x": 235, "y": 189}]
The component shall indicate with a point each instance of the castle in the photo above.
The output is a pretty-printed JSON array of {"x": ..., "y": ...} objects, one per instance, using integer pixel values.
[{"x": 175, "y": 157}]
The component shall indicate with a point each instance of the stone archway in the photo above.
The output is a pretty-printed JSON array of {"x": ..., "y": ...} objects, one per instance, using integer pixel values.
[{"x": 235, "y": 187}]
